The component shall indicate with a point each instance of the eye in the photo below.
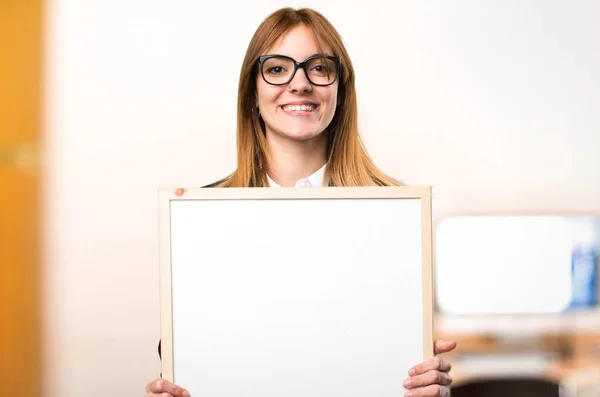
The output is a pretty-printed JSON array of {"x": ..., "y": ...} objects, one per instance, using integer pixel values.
[
  {"x": 275, "y": 70},
  {"x": 322, "y": 68}
]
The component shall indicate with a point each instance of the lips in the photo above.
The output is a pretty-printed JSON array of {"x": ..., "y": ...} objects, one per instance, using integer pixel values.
[{"x": 299, "y": 108}]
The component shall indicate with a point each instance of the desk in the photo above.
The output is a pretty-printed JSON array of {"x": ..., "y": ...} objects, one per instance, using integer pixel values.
[{"x": 550, "y": 346}]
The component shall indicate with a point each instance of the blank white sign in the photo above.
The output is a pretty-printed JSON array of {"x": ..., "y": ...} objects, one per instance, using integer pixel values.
[{"x": 291, "y": 293}]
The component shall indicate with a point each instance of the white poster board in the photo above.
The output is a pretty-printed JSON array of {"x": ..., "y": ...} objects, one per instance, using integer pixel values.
[{"x": 295, "y": 292}]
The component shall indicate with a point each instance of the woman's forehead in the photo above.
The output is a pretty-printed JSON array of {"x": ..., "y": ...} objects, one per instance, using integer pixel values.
[{"x": 299, "y": 43}]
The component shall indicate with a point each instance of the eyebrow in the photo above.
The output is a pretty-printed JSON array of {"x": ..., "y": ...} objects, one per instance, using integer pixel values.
[{"x": 310, "y": 56}]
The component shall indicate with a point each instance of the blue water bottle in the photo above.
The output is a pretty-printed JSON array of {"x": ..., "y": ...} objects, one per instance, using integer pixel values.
[{"x": 584, "y": 273}]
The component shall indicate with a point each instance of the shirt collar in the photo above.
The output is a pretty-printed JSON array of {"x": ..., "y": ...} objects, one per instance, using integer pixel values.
[{"x": 314, "y": 180}]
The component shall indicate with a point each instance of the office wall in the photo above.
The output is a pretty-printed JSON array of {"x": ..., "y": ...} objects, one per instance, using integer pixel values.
[{"x": 494, "y": 103}]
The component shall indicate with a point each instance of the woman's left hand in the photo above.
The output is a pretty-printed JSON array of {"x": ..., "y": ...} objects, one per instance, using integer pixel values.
[{"x": 432, "y": 377}]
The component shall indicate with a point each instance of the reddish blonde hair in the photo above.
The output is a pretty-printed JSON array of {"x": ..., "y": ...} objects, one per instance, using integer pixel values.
[{"x": 348, "y": 163}]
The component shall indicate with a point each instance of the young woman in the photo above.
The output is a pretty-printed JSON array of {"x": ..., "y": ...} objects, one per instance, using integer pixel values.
[{"x": 297, "y": 125}]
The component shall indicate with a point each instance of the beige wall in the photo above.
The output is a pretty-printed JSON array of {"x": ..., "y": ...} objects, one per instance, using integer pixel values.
[{"x": 494, "y": 103}]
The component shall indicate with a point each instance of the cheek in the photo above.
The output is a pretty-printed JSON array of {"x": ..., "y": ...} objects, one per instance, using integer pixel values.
[
  {"x": 266, "y": 94},
  {"x": 331, "y": 95},
  {"x": 331, "y": 99}
]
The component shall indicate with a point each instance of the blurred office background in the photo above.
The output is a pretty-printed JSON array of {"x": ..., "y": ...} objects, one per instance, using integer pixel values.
[{"x": 493, "y": 103}]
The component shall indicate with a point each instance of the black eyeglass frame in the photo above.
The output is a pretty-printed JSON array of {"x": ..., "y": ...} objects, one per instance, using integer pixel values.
[{"x": 300, "y": 65}]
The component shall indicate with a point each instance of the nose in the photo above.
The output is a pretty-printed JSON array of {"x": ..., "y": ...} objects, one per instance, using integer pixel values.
[{"x": 300, "y": 82}]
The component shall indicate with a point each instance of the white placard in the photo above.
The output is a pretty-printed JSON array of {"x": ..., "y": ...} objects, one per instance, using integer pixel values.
[{"x": 295, "y": 292}]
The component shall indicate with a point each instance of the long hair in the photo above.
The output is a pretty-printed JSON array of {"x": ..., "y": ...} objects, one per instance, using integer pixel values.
[{"x": 348, "y": 163}]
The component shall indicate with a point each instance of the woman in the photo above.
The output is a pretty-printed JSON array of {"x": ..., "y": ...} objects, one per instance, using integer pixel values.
[{"x": 298, "y": 126}]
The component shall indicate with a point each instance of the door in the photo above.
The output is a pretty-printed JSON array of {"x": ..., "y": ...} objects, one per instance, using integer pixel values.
[{"x": 20, "y": 85}]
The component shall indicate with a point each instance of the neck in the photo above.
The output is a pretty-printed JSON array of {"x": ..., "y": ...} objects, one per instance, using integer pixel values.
[{"x": 291, "y": 160}]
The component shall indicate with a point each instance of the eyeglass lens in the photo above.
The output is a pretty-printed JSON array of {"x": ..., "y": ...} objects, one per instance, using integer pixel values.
[{"x": 279, "y": 70}]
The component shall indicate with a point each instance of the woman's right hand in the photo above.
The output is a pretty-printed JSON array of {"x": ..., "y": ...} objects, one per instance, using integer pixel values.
[{"x": 164, "y": 388}]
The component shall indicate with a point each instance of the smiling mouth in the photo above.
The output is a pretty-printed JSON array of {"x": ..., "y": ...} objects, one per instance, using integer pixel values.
[{"x": 299, "y": 108}]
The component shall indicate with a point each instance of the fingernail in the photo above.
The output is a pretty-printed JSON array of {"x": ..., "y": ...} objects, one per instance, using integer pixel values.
[
  {"x": 409, "y": 394},
  {"x": 411, "y": 372},
  {"x": 186, "y": 393},
  {"x": 407, "y": 383}
]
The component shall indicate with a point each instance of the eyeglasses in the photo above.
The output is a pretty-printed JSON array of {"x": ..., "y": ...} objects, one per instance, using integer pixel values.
[{"x": 280, "y": 69}]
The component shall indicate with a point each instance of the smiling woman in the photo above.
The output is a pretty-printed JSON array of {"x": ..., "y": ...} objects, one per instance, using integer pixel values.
[
  {"x": 297, "y": 107},
  {"x": 297, "y": 125},
  {"x": 297, "y": 100}
]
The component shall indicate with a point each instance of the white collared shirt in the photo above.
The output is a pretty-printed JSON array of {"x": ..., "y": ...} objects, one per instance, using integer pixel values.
[{"x": 314, "y": 180}]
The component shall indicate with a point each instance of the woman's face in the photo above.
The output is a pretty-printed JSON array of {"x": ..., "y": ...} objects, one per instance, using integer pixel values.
[{"x": 298, "y": 110}]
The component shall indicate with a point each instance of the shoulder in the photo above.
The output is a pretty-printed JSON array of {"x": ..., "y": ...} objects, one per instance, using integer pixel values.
[{"x": 216, "y": 183}]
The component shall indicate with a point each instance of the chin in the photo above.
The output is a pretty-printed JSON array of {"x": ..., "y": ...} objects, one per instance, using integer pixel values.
[
  {"x": 302, "y": 131},
  {"x": 303, "y": 135},
  {"x": 297, "y": 131}
]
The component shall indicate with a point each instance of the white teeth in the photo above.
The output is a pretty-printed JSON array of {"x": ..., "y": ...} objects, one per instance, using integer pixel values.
[{"x": 299, "y": 108}]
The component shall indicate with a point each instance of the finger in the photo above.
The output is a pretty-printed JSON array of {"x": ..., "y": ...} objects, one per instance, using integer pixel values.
[
  {"x": 428, "y": 378},
  {"x": 429, "y": 391},
  {"x": 443, "y": 346},
  {"x": 179, "y": 191},
  {"x": 163, "y": 386},
  {"x": 434, "y": 364}
]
